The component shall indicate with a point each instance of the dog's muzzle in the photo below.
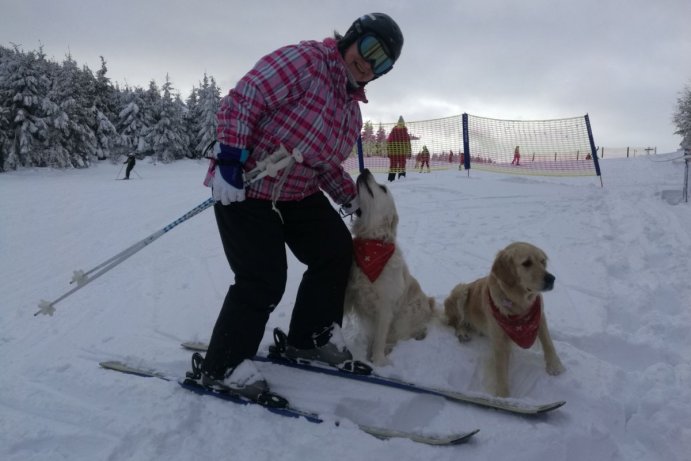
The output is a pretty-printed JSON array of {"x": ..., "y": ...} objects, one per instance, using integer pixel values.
[
  {"x": 548, "y": 282},
  {"x": 363, "y": 179}
]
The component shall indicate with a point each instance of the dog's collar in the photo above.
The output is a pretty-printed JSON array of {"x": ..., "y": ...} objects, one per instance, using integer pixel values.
[
  {"x": 522, "y": 329},
  {"x": 372, "y": 255}
]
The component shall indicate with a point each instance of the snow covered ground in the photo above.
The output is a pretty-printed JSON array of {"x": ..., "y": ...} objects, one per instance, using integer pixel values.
[{"x": 620, "y": 316}]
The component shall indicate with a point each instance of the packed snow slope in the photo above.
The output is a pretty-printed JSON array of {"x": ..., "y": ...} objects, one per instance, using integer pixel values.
[{"x": 620, "y": 315}]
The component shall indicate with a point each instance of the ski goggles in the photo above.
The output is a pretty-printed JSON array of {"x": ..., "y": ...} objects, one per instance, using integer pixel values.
[{"x": 374, "y": 51}]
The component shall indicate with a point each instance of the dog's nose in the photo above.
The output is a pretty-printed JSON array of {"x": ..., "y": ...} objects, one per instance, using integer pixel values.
[{"x": 549, "y": 281}]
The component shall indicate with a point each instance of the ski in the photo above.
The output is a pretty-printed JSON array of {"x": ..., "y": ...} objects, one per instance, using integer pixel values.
[
  {"x": 510, "y": 406},
  {"x": 287, "y": 410}
]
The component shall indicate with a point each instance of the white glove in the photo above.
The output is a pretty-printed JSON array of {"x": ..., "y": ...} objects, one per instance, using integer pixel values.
[
  {"x": 351, "y": 207},
  {"x": 223, "y": 192}
]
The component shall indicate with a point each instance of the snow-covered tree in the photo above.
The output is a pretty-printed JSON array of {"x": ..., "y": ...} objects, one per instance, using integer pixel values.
[
  {"x": 63, "y": 115},
  {"x": 380, "y": 147},
  {"x": 105, "y": 95},
  {"x": 208, "y": 104},
  {"x": 168, "y": 138},
  {"x": 60, "y": 142},
  {"x": 103, "y": 111},
  {"x": 72, "y": 117},
  {"x": 4, "y": 130},
  {"x": 192, "y": 117},
  {"x": 132, "y": 124},
  {"x": 149, "y": 113},
  {"x": 23, "y": 87},
  {"x": 368, "y": 139},
  {"x": 682, "y": 117},
  {"x": 5, "y": 56}
]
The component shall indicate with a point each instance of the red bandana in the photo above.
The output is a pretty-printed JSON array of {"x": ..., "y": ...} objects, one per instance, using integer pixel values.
[
  {"x": 522, "y": 329},
  {"x": 372, "y": 255}
]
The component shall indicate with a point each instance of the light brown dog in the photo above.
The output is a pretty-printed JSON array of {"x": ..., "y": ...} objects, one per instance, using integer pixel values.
[
  {"x": 507, "y": 307},
  {"x": 381, "y": 291}
]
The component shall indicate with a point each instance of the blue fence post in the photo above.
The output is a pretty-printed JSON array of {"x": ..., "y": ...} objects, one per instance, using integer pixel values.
[
  {"x": 593, "y": 150},
  {"x": 360, "y": 156},
  {"x": 466, "y": 144}
]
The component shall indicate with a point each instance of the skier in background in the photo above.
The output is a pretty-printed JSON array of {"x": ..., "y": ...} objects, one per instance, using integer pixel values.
[
  {"x": 398, "y": 149},
  {"x": 516, "y": 157},
  {"x": 424, "y": 159},
  {"x": 131, "y": 160}
]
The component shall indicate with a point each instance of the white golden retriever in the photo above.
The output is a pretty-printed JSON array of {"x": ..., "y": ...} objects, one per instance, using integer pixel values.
[
  {"x": 381, "y": 292},
  {"x": 507, "y": 307}
]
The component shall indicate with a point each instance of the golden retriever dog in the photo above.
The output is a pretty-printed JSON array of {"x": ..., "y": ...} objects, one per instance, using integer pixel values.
[
  {"x": 506, "y": 307},
  {"x": 381, "y": 292}
]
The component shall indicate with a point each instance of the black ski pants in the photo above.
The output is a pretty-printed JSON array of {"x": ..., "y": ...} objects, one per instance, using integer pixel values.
[{"x": 254, "y": 239}]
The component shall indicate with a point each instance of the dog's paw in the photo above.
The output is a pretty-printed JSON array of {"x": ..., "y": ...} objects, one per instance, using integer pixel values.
[
  {"x": 463, "y": 336},
  {"x": 381, "y": 361}
]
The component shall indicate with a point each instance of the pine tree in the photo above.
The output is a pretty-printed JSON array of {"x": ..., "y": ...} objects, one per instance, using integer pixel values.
[
  {"x": 368, "y": 139},
  {"x": 380, "y": 147},
  {"x": 103, "y": 112},
  {"x": 58, "y": 153},
  {"x": 72, "y": 118},
  {"x": 132, "y": 124},
  {"x": 185, "y": 134},
  {"x": 682, "y": 118},
  {"x": 192, "y": 119},
  {"x": 209, "y": 102},
  {"x": 5, "y": 56},
  {"x": 168, "y": 137},
  {"x": 150, "y": 116},
  {"x": 22, "y": 92},
  {"x": 105, "y": 94}
]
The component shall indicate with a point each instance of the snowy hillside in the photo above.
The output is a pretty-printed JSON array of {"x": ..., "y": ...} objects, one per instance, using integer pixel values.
[{"x": 620, "y": 315}]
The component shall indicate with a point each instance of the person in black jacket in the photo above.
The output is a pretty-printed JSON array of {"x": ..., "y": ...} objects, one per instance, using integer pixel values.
[{"x": 131, "y": 160}]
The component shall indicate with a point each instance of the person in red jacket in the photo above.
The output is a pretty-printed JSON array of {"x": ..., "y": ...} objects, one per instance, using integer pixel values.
[
  {"x": 398, "y": 149},
  {"x": 516, "y": 157},
  {"x": 302, "y": 101}
]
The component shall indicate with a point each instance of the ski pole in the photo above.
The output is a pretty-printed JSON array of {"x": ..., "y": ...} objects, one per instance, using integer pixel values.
[
  {"x": 281, "y": 159},
  {"x": 118, "y": 175},
  {"x": 82, "y": 278}
]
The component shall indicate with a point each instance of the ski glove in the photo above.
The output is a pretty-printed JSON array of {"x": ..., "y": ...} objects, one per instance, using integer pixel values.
[
  {"x": 351, "y": 207},
  {"x": 228, "y": 185}
]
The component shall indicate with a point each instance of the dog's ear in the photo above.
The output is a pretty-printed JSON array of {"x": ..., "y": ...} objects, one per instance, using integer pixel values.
[{"x": 505, "y": 269}]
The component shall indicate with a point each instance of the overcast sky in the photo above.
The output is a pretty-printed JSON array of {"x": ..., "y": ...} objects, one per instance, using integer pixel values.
[{"x": 624, "y": 62}]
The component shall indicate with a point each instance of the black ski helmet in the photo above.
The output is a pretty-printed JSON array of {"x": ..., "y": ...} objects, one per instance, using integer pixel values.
[{"x": 378, "y": 24}]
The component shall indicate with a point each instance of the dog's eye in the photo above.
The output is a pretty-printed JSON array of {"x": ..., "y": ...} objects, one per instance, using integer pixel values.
[
  {"x": 383, "y": 188},
  {"x": 527, "y": 263}
]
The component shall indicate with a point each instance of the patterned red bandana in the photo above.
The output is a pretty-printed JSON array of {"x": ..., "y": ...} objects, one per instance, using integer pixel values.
[
  {"x": 372, "y": 255},
  {"x": 522, "y": 329}
]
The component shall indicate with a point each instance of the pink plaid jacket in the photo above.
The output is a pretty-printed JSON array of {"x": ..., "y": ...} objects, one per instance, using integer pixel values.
[{"x": 296, "y": 96}]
